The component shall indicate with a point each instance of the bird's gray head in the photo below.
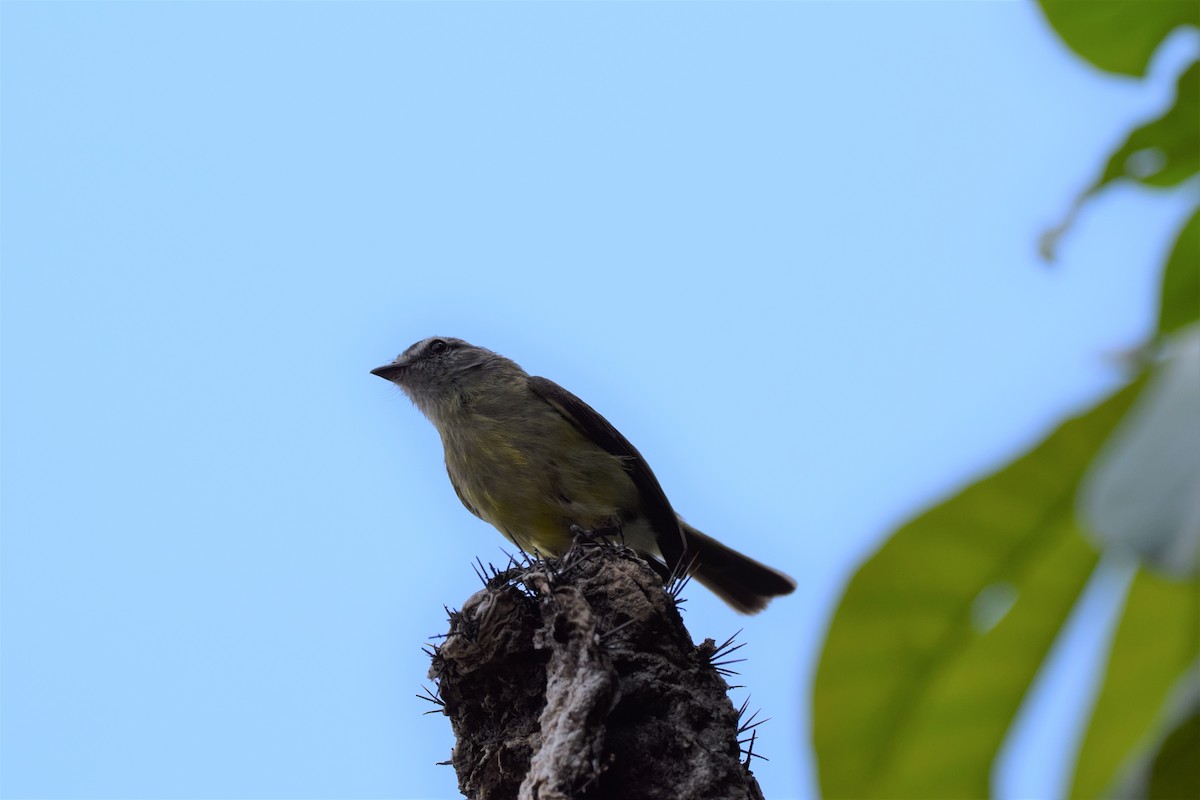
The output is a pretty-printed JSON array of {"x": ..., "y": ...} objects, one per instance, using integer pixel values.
[{"x": 440, "y": 372}]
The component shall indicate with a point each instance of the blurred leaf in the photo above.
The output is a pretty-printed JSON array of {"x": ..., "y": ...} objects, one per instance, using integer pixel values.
[
  {"x": 1141, "y": 495},
  {"x": 1118, "y": 35},
  {"x": 1176, "y": 771},
  {"x": 914, "y": 694},
  {"x": 1156, "y": 640},
  {"x": 1163, "y": 152},
  {"x": 965, "y": 710},
  {"x": 1166, "y": 151},
  {"x": 1181, "y": 280}
]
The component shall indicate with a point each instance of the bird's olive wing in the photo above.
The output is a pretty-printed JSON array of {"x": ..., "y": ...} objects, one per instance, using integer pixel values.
[
  {"x": 655, "y": 506},
  {"x": 462, "y": 496}
]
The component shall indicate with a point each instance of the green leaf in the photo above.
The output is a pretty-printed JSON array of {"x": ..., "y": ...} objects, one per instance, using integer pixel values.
[
  {"x": 1163, "y": 152},
  {"x": 1175, "y": 773},
  {"x": 1156, "y": 640},
  {"x": 1166, "y": 151},
  {"x": 972, "y": 695},
  {"x": 914, "y": 691},
  {"x": 1118, "y": 35},
  {"x": 1180, "y": 303}
]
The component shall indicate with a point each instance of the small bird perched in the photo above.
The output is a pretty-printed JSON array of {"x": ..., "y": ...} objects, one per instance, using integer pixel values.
[{"x": 540, "y": 464}]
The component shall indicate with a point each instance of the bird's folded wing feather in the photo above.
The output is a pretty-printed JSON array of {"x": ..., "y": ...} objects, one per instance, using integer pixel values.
[{"x": 588, "y": 421}]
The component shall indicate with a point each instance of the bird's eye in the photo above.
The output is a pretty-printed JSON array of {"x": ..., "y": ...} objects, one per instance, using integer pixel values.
[{"x": 437, "y": 346}]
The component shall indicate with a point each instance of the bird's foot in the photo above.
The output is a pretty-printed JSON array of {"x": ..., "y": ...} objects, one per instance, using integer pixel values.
[{"x": 594, "y": 536}]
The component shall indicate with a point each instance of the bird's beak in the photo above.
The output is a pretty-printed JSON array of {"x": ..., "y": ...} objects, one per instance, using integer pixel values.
[{"x": 389, "y": 372}]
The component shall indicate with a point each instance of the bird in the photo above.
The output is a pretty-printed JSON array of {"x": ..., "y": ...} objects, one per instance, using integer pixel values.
[{"x": 541, "y": 466}]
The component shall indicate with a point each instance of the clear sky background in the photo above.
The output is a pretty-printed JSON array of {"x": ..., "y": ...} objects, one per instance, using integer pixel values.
[{"x": 789, "y": 250}]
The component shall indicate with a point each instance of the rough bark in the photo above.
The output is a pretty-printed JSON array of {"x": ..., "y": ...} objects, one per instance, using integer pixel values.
[{"x": 575, "y": 678}]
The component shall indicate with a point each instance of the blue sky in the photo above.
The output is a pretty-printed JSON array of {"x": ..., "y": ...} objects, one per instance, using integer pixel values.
[{"x": 788, "y": 249}]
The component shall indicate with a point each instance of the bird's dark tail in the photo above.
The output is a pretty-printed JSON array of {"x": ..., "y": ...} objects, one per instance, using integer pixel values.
[{"x": 739, "y": 580}]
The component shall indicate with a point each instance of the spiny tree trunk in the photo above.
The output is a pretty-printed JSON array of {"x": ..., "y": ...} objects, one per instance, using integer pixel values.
[{"x": 575, "y": 678}]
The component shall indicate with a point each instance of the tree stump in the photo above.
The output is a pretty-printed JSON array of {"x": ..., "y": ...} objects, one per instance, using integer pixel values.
[{"x": 575, "y": 678}]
